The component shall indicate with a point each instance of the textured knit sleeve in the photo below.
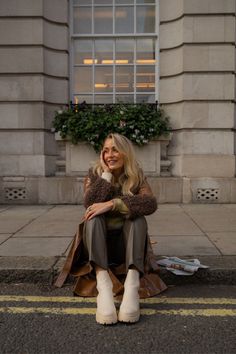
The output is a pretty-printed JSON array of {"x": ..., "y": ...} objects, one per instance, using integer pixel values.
[
  {"x": 96, "y": 189},
  {"x": 142, "y": 203}
]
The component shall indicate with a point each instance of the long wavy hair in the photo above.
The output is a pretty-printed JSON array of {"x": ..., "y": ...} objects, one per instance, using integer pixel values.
[{"x": 132, "y": 177}]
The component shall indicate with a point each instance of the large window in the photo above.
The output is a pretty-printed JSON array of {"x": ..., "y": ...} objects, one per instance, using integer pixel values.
[{"x": 114, "y": 51}]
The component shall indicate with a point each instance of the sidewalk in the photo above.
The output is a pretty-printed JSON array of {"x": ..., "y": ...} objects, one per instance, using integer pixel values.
[{"x": 34, "y": 239}]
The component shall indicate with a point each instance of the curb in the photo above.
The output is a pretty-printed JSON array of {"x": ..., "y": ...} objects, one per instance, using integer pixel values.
[{"x": 43, "y": 270}]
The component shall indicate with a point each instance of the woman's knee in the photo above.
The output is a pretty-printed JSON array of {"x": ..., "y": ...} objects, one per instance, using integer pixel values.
[{"x": 138, "y": 224}]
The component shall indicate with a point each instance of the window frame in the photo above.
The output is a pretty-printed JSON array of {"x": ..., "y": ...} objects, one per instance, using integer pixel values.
[{"x": 93, "y": 36}]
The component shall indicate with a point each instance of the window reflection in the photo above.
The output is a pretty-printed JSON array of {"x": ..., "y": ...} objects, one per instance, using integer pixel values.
[
  {"x": 103, "y": 99},
  {"x": 145, "y": 78},
  {"x": 145, "y": 51},
  {"x": 124, "y": 78},
  {"x": 83, "y": 79},
  {"x": 145, "y": 19},
  {"x": 82, "y": 20},
  {"x": 103, "y": 20},
  {"x": 83, "y": 51},
  {"x": 103, "y": 79},
  {"x": 127, "y": 98},
  {"x": 104, "y": 51},
  {"x": 124, "y": 19},
  {"x": 125, "y": 51}
]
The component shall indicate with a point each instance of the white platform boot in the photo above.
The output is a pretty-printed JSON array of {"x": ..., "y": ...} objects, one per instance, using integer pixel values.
[
  {"x": 129, "y": 308},
  {"x": 106, "y": 310}
]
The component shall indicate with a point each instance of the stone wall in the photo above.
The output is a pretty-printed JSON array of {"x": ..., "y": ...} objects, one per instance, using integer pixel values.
[
  {"x": 197, "y": 89},
  {"x": 34, "y": 83}
]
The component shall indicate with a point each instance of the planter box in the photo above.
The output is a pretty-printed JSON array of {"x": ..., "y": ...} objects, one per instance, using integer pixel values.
[{"x": 75, "y": 160}]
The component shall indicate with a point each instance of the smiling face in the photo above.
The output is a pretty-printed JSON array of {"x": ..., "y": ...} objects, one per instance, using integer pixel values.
[{"x": 112, "y": 157}]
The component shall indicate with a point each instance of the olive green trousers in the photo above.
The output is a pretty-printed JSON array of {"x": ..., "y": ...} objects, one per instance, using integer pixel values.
[{"x": 113, "y": 247}]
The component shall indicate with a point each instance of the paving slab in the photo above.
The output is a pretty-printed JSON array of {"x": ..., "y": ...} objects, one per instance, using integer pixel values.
[
  {"x": 175, "y": 223},
  {"x": 35, "y": 247},
  {"x": 183, "y": 246},
  {"x": 9, "y": 225},
  {"x": 47, "y": 228},
  {"x": 4, "y": 237},
  {"x": 65, "y": 212},
  {"x": 212, "y": 218},
  {"x": 224, "y": 241},
  {"x": 24, "y": 212}
]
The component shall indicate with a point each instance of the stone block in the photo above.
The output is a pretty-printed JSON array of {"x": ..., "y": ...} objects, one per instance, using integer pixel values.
[
  {"x": 21, "y": 88},
  {"x": 209, "y": 29},
  {"x": 31, "y": 196},
  {"x": 61, "y": 13},
  {"x": 166, "y": 190},
  {"x": 202, "y": 142},
  {"x": 209, "y": 6},
  {"x": 201, "y": 115},
  {"x": 171, "y": 62},
  {"x": 56, "y": 63},
  {"x": 26, "y": 165},
  {"x": 208, "y": 166},
  {"x": 50, "y": 145},
  {"x": 57, "y": 190},
  {"x": 21, "y": 8},
  {"x": 19, "y": 115},
  {"x": 171, "y": 34},
  {"x": 208, "y": 87},
  {"x": 56, "y": 90},
  {"x": 171, "y": 89},
  {"x": 208, "y": 58},
  {"x": 55, "y": 36},
  {"x": 21, "y": 31},
  {"x": 21, "y": 143},
  {"x": 29, "y": 60},
  {"x": 170, "y": 10}
]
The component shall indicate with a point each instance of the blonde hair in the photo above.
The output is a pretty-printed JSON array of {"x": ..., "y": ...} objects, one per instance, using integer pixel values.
[{"x": 132, "y": 177}]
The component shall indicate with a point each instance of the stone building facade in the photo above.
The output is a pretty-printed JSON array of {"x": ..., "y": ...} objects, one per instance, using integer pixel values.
[{"x": 196, "y": 87}]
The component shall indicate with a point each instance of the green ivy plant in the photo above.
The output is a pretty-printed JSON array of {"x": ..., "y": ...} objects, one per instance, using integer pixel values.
[{"x": 92, "y": 123}]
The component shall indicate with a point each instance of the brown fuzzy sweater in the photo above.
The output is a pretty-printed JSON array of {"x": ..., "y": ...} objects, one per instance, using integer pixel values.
[{"x": 99, "y": 190}]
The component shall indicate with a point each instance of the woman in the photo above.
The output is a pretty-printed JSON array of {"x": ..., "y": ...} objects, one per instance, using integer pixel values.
[{"x": 113, "y": 240}]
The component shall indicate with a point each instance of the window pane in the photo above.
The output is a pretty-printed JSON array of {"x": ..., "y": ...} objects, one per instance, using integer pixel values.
[
  {"x": 124, "y": 51},
  {"x": 104, "y": 51},
  {"x": 82, "y": 98},
  {"x": 123, "y": 2},
  {"x": 83, "y": 79},
  {"x": 82, "y": 2},
  {"x": 125, "y": 98},
  {"x": 145, "y": 98},
  {"x": 103, "y": 20},
  {"x": 146, "y": 19},
  {"x": 146, "y": 1},
  {"x": 124, "y": 21},
  {"x": 83, "y": 51},
  {"x": 145, "y": 78},
  {"x": 103, "y": 99},
  {"x": 103, "y": 79},
  {"x": 101, "y": 2},
  {"x": 145, "y": 51},
  {"x": 83, "y": 20},
  {"x": 124, "y": 78}
]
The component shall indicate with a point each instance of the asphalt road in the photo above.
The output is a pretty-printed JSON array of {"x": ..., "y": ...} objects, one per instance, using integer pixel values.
[{"x": 185, "y": 319}]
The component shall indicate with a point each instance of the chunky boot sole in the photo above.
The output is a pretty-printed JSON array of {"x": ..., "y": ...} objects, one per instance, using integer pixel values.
[
  {"x": 129, "y": 317},
  {"x": 106, "y": 319}
]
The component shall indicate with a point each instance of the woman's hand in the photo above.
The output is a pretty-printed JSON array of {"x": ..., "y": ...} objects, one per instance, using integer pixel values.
[
  {"x": 103, "y": 164},
  {"x": 97, "y": 209}
]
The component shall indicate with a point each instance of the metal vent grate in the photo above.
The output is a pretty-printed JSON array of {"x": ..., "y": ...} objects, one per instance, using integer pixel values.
[
  {"x": 15, "y": 193},
  {"x": 207, "y": 194}
]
